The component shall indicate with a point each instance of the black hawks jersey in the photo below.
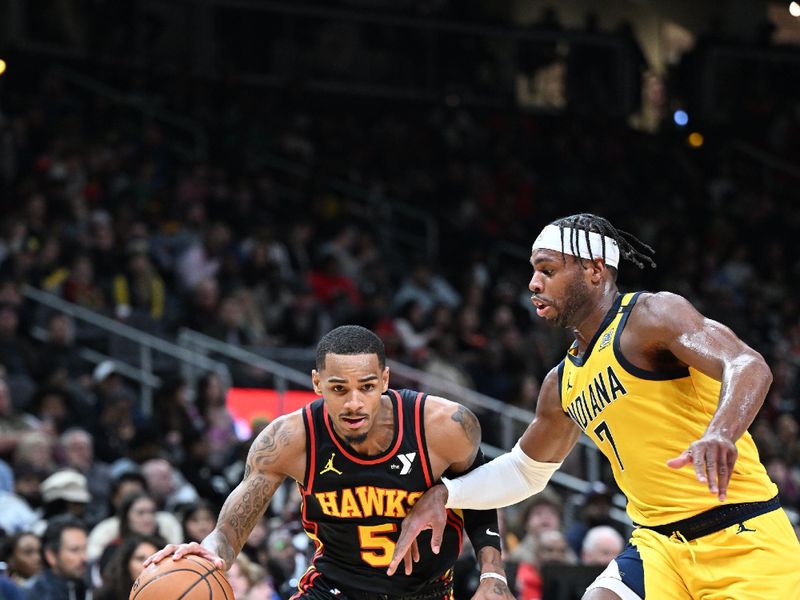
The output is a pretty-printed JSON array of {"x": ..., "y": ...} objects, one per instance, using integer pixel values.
[{"x": 353, "y": 504}]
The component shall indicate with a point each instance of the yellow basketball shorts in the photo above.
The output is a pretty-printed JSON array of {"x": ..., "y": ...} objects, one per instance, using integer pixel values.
[{"x": 756, "y": 559}]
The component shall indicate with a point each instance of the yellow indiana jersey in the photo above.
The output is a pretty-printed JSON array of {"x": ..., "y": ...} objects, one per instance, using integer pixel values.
[{"x": 640, "y": 419}]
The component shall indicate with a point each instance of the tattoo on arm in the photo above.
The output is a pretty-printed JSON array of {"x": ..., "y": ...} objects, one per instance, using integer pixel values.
[
  {"x": 469, "y": 423},
  {"x": 249, "y": 500}
]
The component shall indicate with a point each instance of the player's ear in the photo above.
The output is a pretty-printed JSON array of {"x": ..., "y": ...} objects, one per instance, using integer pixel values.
[
  {"x": 598, "y": 267},
  {"x": 385, "y": 379},
  {"x": 315, "y": 381}
]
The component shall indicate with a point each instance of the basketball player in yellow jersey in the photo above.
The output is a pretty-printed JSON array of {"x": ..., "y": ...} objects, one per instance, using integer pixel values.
[{"x": 667, "y": 395}]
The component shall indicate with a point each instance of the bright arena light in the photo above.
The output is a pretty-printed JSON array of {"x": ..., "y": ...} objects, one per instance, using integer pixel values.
[
  {"x": 2, "y": 66},
  {"x": 680, "y": 117},
  {"x": 794, "y": 9},
  {"x": 695, "y": 139}
]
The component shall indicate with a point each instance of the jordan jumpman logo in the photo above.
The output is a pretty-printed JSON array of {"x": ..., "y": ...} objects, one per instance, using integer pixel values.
[
  {"x": 329, "y": 466},
  {"x": 743, "y": 528}
]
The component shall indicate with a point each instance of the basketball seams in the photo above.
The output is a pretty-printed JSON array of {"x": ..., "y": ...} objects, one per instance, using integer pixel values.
[
  {"x": 162, "y": 575},
  {"x": 207, "y": 572}
]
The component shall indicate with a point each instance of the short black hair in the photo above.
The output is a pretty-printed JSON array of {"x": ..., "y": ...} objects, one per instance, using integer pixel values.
[
  {"x": 350, "y": 339},
  {"x": 51, "y": 540}
]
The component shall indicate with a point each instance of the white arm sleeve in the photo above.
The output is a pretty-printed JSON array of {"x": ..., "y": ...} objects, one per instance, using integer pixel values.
[{"x": 506, "y": 480}]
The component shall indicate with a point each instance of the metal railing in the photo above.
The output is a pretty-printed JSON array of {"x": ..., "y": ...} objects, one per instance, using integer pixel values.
[{"x": 148, "y": 345}]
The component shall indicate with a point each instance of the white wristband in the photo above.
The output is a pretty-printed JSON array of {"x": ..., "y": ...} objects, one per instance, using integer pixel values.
[{"x": 494, "y": 576}]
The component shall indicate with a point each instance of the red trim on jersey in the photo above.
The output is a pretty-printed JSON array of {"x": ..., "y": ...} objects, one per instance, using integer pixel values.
[
  {"x": 306, "y": 582},
  {"x": 417, "y": 420},
  {"x": 456, "y": 524},
  {"x": 361, "y": 461},
  {"x": 311, "y": 451}
]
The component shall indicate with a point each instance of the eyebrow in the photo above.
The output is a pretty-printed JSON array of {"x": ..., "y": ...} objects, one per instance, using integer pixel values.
[
  {"x": 334, "y": 379},
  {"x": 542, "y": 259}
]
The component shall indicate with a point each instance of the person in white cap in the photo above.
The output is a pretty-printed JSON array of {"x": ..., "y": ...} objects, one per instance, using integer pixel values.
[
  {"x": 64, "y": 492},
  {"x": 667, "y": 395}
]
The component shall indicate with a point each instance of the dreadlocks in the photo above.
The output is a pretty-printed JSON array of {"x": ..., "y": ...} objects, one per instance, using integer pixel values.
[{"x": 586, "y": 222}]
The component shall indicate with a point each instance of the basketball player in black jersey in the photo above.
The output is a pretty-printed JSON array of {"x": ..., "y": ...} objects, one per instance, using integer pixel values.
[{"x": 362, "y": 455}]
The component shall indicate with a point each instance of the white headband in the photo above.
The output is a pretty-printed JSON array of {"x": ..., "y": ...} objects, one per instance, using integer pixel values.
[{"x": 550, "y": 239}]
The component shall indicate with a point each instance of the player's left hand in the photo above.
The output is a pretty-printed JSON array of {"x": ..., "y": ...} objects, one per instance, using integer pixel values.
[
  {"x": 713, "y": 457},
  {"x": 492, "y": 589},
  {"x": 427, "y": 513}
]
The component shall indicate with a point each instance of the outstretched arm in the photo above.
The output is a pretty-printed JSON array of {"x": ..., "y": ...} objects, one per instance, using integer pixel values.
[
  {"x": 507, "y": 479},
  {"x": 670, "y": 321},
  {"x": 276, "y": 452}
]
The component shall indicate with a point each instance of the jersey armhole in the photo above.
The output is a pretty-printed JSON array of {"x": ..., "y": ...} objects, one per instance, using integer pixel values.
[
  {"x": 311, "y": 448},
  {"x": 632, "y": 369},
  {"x": 419, "y": 430}
]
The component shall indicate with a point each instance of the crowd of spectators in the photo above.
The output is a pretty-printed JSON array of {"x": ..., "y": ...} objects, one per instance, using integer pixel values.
[{"x": 104, "y": 212}]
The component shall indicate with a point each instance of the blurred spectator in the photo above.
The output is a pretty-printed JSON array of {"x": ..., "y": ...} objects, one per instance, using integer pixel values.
[
  {"x": 64, "y": 574},
  {"x": 175, "y": 418},
  {"x": 305, "y": 320},
  {"x": 202, "y": 473},
  {"x": 16, "y": 353},
  {"x": 595, "y": 510},
  {"x": 64, "y": 492},
  {"x": 167, "y": 486},
  {"x": 412, "y": 327},
  {"x": 35, "y": 448},
  {"x": 249, "y": 580},
  {"x": 137, "y": 516},
  {"x": 22, "y": 554},
  {"x": 220, "y": 432},
  {"x": 202, "y": 260},
  {"x": 198, "y": 519},
  {"x": 21, "y": 504},
  {"x": 427, "y": 288},
  {"x": 80, "y": 286},
  {"x": 550, "y": 547},
  {"x": 125, "y": 565},
  {"x": 108, "y": 531},
  {"x": 59, "y": 351},
  {"x": 230, "y": 324},
  {"x": 9, "y": 589},
  {"x": 337, "y": 292},
  {"x": 139, "y": 289},
  {"x": 77, "y": 452},
  {"x": 56, "y": 408},
  {"x": 13, "y": 423},
  {"x": 201, "y": 313},
  {"x": 286, "y": 565},
  {"x": 601, "y": 545}
]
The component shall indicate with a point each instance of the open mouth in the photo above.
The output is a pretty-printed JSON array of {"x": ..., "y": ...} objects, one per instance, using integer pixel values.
[
  {"x": 354, "y": 422},
  {"x": 541, "y": 307}
]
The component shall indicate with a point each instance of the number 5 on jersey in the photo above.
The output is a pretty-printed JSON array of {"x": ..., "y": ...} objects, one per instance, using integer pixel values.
[{"x": 376, "y": 546}]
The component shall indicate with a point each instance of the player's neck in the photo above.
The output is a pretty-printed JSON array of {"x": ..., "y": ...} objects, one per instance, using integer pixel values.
[{"x": 589, "y": 325}]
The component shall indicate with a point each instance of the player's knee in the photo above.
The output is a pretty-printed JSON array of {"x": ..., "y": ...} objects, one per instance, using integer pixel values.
[{"x": 600, "y": 594}]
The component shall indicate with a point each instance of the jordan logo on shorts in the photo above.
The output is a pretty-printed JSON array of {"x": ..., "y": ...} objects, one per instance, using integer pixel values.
[{"x": 743, "y": 528}]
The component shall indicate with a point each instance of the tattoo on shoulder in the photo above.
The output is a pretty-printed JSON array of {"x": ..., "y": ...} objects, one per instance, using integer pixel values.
[{"x": 469, "y": 423}]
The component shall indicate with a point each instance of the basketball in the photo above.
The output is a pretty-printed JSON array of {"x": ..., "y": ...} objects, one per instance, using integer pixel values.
[{"x": 191, "y": 578}]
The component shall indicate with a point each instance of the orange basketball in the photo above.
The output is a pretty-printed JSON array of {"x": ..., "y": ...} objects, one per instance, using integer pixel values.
[{"x": 190, "y": 578}]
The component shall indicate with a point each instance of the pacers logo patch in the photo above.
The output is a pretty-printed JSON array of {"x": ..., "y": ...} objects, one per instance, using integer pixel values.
[{"x": 606, "y": 339}]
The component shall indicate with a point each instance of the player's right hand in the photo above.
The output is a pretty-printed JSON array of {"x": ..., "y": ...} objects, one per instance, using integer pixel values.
[
  {"x": 180, "y": 550},
  {"x": 428, "y": 513}
]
